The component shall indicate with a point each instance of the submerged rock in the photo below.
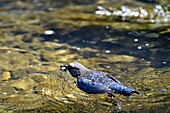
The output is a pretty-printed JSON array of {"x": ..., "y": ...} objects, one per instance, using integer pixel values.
[
  {"x": 38, "y": 77},
  {"x": 24, "y": 84},
  {"x": 6, "y": 75},
  {"x": 121, "y": 58},
  {"x": 116, "y": 58}
]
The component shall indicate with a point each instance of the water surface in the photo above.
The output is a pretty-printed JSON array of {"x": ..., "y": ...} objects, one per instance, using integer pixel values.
[{"x": 37, "y": 37}]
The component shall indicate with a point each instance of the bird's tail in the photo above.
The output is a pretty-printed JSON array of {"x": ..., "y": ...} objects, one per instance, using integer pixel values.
[
  {"x": 127, "y": 91},
  {"x": 137, "y": 92}
]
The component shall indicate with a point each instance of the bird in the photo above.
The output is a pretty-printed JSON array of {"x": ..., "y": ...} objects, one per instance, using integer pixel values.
[{"x": 96, "y": 82}]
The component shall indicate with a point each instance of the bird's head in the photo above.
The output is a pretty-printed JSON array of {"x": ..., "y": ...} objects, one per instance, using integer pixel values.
[{"x": 75, "y": 69}]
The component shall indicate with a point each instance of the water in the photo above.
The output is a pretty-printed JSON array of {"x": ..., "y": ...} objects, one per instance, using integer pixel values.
[{"x": 37, "y": 37}]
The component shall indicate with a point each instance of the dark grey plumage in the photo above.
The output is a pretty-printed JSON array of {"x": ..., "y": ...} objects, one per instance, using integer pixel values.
[{"x": 95, "y": 82}]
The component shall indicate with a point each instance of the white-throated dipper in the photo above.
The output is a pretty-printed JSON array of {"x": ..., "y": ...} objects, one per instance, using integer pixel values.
[{"x": 96, "y": 82}]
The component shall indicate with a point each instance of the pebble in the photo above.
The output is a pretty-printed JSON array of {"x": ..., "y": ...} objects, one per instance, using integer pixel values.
[{"x": 6, "y": 76}]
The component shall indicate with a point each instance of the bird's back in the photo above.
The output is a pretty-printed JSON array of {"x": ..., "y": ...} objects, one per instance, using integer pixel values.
[
  {"x": 102, "y": 78},
  {"x": 99, "y": 82}
]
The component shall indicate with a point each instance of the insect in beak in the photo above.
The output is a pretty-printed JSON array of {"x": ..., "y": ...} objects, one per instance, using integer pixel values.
[{"x": 63, "y": 68}]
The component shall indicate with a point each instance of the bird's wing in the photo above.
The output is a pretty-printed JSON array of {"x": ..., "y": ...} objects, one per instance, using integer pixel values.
[
  {"x": 92, "y": 87},
  {"x": 103, "y": 76},
  {"x": 114, "y": 79}
]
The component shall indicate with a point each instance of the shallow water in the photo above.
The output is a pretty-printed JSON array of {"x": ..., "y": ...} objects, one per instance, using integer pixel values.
[{"x": 37, "y": 37}]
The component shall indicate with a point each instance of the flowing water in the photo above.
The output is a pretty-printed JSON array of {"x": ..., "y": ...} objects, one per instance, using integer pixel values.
[{"x": 38, "y": 36}]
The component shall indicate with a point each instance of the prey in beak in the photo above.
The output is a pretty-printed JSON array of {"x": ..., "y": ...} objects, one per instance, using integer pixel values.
[{"x": 63, "y": 68}]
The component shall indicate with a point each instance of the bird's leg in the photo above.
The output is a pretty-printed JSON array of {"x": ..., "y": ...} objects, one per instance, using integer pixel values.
[
  {"x": 111, "y": 95},
  {"x": 116, "y": 103}
]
